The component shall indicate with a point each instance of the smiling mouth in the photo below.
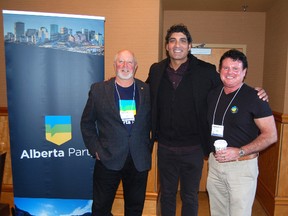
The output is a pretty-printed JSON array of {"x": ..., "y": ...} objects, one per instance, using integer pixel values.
[
  {"x": 229, "y": 77},
  {"x": 125, "y": 70},
  {"x": 177, "y": 51}
]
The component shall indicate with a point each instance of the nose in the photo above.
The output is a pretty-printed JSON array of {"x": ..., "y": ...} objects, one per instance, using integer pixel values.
[
  {"x": 177, "y": 43},
  {"x": 125, "y": 63}
]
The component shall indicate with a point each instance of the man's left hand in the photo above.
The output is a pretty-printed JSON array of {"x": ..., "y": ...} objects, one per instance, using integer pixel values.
[{"x": 262, "y": 94}]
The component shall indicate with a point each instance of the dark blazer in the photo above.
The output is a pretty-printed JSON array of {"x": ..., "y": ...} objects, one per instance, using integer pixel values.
[
  {"x": 104, "y": 132},
  {"x": 204, "y": 77}
]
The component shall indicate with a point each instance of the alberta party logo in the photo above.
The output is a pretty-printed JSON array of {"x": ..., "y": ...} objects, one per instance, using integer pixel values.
[{"x": 58, "y": 129}]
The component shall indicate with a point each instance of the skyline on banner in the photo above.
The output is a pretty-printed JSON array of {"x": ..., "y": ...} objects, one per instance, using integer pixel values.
[{"x": 74, "y": 34}]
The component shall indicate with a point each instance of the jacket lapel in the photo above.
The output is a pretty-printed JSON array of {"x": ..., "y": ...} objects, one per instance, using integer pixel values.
[
  {"x": 109, "y": 93},
  {"x": 158, "y": 75},
  {"x": 141, "y": 94}
]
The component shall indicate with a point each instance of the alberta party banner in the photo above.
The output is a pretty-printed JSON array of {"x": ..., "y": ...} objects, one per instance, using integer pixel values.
[{"x": 51, "y": 61}]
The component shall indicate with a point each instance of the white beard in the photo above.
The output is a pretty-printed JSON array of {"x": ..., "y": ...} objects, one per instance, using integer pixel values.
[{"x": 125, "y": 76}]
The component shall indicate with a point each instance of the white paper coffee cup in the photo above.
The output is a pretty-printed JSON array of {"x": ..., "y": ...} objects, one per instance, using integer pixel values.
[{"x": 220, "y": 144}]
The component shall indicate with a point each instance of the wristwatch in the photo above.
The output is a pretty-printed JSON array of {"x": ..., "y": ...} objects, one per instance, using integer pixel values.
[{"x": 241, "y": 152}]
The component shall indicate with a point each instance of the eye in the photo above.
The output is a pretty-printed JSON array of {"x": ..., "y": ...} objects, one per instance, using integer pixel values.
[
  {"x": 183, "y": 40},
  {"x": 235, "y": 69},
  {"x": 171, "y": 40}
]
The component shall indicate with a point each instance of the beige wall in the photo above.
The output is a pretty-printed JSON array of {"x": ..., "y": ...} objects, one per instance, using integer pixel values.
[
  {"x": 276, "y": 56},
  {"x": 130, "y": 24},
  {"x": 141, "y": 26},
  {"x": 227, "y": 28},
  {"x": 262, "y": 33}
]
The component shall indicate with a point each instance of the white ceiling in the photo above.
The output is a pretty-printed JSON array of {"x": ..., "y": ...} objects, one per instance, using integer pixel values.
[{"x": 218, "y": 5}]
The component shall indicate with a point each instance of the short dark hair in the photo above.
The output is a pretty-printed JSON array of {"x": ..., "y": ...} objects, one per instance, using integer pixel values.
[
  {"x": 236, "y": 55},
  {"x": 178, "y": 28}
]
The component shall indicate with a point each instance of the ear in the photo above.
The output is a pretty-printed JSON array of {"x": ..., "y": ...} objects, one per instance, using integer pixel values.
[
  {"x": 114, "y": 66},
  {"x": 166, "y": 46},
  {"x": 245, "y": 71},
  {"x": 136, "y": 67}
]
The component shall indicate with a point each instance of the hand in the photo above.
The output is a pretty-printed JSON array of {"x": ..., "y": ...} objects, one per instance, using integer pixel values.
[
  {"x": 229, "y": 154},
  {"x": 262, "y": 94},
  {"x": 97, "y": 156}
]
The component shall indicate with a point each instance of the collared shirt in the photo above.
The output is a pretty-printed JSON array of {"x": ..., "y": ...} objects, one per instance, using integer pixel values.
[{"x": 175, "y": 76}]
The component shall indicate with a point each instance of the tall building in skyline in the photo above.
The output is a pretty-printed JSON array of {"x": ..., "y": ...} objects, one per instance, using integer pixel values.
[
  {"x": 54, "y": 32},
  {"x": 19, "y": 29},
  {"x": 43, "y": 35},
  {"x": 86, "y": 33}
]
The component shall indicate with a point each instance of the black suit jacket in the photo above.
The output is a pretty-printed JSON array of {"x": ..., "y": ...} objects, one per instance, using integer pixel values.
[
  {"x": 104, "y": 132},
  {"x": 204, "y": 77}
]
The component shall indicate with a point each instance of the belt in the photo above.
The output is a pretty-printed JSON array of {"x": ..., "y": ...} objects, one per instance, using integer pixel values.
[{"x": 248, "y": 157}]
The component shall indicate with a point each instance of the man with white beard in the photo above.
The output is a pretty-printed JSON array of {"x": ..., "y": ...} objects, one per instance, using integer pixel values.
[{"x": 115, "y": 126}]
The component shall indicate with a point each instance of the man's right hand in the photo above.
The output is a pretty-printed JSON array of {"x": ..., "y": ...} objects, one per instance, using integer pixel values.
[{"x": 97, "y": 156}]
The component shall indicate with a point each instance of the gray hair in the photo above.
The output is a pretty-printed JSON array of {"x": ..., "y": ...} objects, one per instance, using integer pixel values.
[{"x": 117, "y": 54}]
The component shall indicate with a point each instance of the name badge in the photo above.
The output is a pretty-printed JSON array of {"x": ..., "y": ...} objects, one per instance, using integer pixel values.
[
  {"x": 217, "y": 130},
  {"x": 127, "y": 115}
]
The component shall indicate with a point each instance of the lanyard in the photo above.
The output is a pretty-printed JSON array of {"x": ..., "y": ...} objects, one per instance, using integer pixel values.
[
  {"x": 227, "y": 106},
  {"x": 120, "y": 101},
  {"x": 133, "y": 100}
]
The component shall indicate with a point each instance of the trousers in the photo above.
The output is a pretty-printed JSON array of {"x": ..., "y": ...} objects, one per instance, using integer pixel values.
[
  {"x": 105, "y": 185},
  {"x": 179, "y": 166},
  {"x": 232, "y": 186}
]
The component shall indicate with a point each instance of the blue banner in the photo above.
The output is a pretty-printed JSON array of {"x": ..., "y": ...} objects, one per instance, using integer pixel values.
[{"x": 51, "y": 61}]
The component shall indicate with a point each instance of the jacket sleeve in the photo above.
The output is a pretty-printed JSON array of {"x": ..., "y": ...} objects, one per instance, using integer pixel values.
[{"x": 89, "y": 126}]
